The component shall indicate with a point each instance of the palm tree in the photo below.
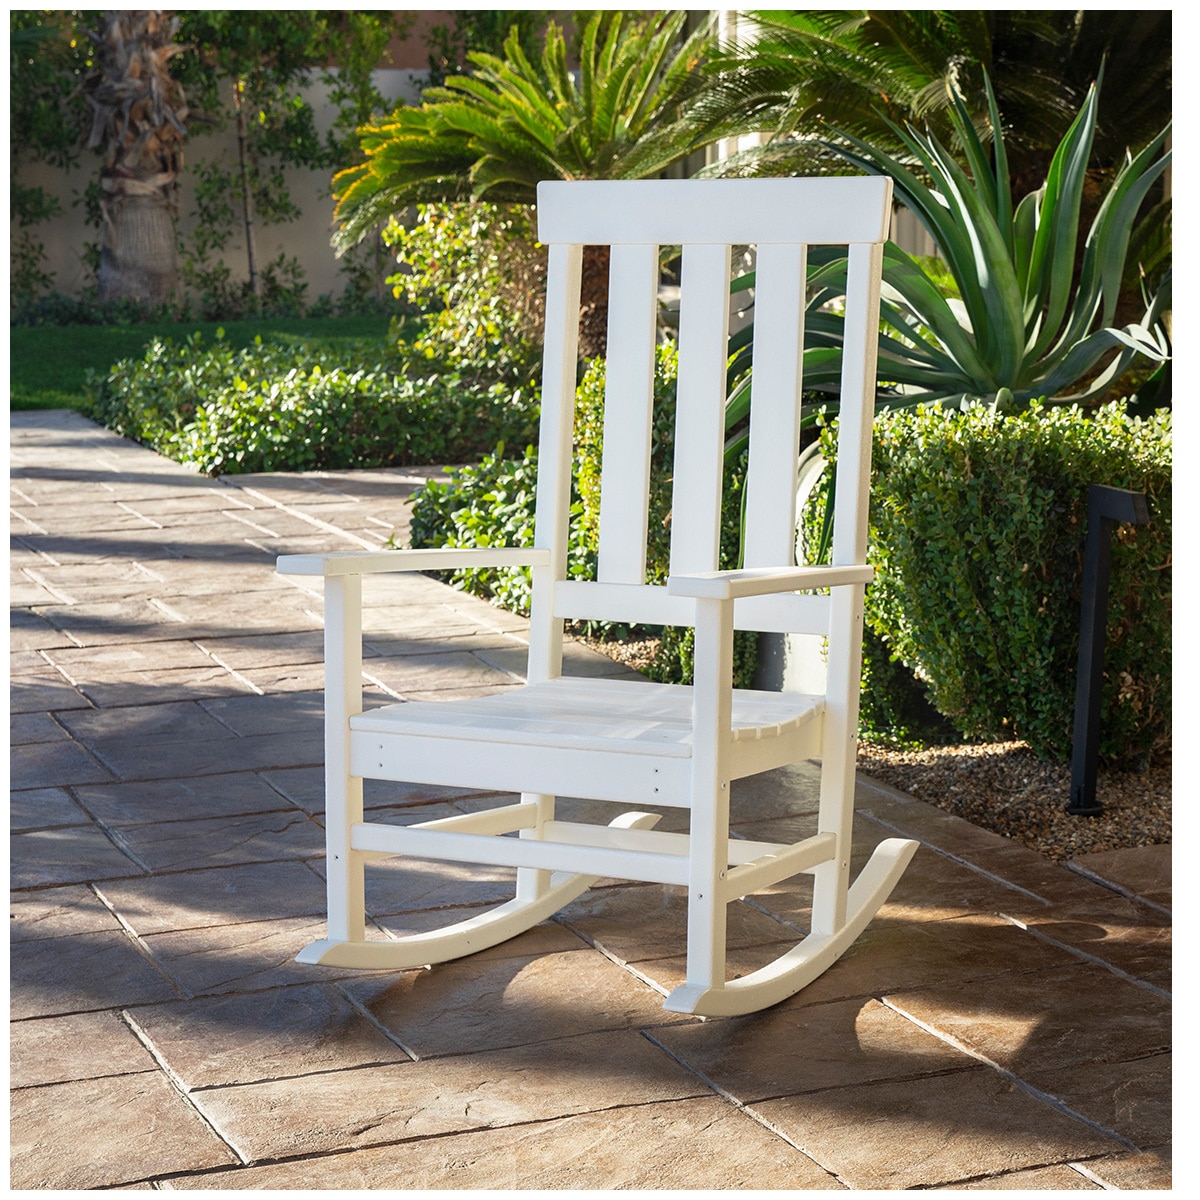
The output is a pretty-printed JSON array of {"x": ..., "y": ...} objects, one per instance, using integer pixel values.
[
  {"x": 138, "y": 112},
  {"x": 495, "y": 134},
  {"x": 867, "y": 71}
]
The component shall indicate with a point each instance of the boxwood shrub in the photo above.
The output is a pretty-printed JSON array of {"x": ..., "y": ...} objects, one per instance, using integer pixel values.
[
  {"x": 295, "y": 407},
  {"x": 977, "y": 531}
]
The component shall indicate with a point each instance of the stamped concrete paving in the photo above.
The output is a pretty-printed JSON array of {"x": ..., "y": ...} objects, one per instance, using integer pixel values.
[{"x": 1004, "y": 1023}]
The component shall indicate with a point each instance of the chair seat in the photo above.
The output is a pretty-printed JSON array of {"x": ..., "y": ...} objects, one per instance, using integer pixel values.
[{"x": 591, "y": 714}]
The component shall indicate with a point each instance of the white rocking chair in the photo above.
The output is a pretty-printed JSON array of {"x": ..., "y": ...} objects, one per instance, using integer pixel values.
[{"x": 630, "y": 742}]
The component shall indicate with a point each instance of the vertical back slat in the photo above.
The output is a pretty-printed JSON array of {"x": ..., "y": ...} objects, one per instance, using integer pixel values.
[
  {"x": 560, "y": 353},
  {"x": 857, "y": 409},
  {"x": 770, "y": 536},
  {"x": 700, "y": 409},
  {"x": 628, "y": 413}
]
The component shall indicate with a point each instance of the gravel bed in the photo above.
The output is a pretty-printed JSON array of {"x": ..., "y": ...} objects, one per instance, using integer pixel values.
[{"x": 1001, "y": 786}]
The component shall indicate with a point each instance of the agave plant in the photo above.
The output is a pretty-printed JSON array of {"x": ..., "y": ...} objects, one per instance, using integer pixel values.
[
  {"x": 1022, "y": 323},
  {"x": 1026, "y": 325}
]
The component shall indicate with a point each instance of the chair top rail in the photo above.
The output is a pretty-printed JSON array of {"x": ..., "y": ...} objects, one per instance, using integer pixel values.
[{"x": 669, "y": 212}]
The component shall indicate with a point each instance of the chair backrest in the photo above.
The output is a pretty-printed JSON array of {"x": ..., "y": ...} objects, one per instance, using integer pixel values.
[{"x": 779, "y": 218}]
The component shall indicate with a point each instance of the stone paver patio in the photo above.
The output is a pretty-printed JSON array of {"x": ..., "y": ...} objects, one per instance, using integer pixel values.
[{"x": 1004, "y": 1023}]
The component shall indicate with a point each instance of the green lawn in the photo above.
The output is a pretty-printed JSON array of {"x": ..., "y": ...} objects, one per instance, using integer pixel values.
[{"x": 48, "y": 363}]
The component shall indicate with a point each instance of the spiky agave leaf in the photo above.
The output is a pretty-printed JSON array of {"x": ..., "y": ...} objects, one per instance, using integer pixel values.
[{"x": 1030, "y": 326}]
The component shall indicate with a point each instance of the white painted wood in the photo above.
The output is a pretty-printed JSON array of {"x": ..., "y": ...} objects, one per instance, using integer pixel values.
[
  {"x": 770, "y": 535},
  {"x": 519, "y": 852},
  {"x": 790, "y": 972},
  {"x": 628, "y": 413},
  {"x": 700, "y": 409},
  {"x": 757, "y": 581},
  {"x": 476, "y": 933},
  {"x": 534, "y": 883},
  {"x": 616, "y": 775},
  {"x": 640, "y": 743},
  {"x": 712, "y": 712},
  {"x": 733, "y": 212},
  {"x": 788, "y": 613},
  {"x": 373, "y": 562},
  {"x": 780, "y": 864},
  {"x": 343, "y": 789},
  {"x": 857, "y": 409},
  {"x": 587, "y": 713},
  {"x": 552, "y": 517}
]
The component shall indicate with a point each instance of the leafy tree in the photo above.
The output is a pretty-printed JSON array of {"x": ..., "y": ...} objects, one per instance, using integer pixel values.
[
  {"x": 495, "y": 134},
  {"x": 450, "y": 45},
  {"x": 138, "y": 114},
  {"x": 260, "y": 62}
]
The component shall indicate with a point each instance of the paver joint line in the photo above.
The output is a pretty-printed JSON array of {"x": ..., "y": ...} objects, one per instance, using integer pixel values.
[{"x": 1084, "y": 956}]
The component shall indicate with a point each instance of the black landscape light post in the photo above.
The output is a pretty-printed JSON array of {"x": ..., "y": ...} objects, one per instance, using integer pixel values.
[{"x": 1106, "y": 506}]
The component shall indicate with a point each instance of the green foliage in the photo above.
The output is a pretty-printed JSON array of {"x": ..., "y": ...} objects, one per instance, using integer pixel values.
[
  {"x": 269, "y": 58},
  {"x": 492, "y": 504},
  {"x": 1028, "y": 326},
  {"x": 1005, "y": 316},
  {"x": 274, "y": 54},
  {"x": 479, "y": 30},
  {"x": 802, "y": 71},
  {"x": 894, "y": 707},
  {"x": 476, "y": 273},
  {"x": 48, "y": 365},
  {"x": 496, "y": 133},
  {"x": 977, "y": 533},
  {"x": 45, "y": 63},
  {"x": 298, "y": 408}
]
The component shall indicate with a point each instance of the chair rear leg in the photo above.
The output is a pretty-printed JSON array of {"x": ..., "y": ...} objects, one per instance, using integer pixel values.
[{"x": 533, "y": 884}]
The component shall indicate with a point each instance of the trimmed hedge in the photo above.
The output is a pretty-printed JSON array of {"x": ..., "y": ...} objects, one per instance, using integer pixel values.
[
  {"x": 272, "y": 407},
  {"x": 977, "y": 531}
]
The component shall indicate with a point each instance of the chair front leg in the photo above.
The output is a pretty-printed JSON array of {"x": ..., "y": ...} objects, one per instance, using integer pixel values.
[
  {"x": 343, "y": 791},
  {"x": 708, "y": 864}
]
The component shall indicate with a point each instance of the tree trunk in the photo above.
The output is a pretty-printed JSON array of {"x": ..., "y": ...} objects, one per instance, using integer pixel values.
[
  {"x": 247, "y": 197},
  {"x": 137, "y": 249},
  {"x": 593, "y": 303},
  {"x": 137, "y": 122}
]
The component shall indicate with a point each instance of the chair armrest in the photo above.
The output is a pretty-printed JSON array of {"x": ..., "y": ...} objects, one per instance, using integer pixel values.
[
  {"x": 443, "y": 558},
  {"x": 762, "y": 581}
]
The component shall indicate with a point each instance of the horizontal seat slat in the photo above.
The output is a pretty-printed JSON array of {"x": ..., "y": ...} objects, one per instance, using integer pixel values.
[{"x": 645, "y": 718}]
